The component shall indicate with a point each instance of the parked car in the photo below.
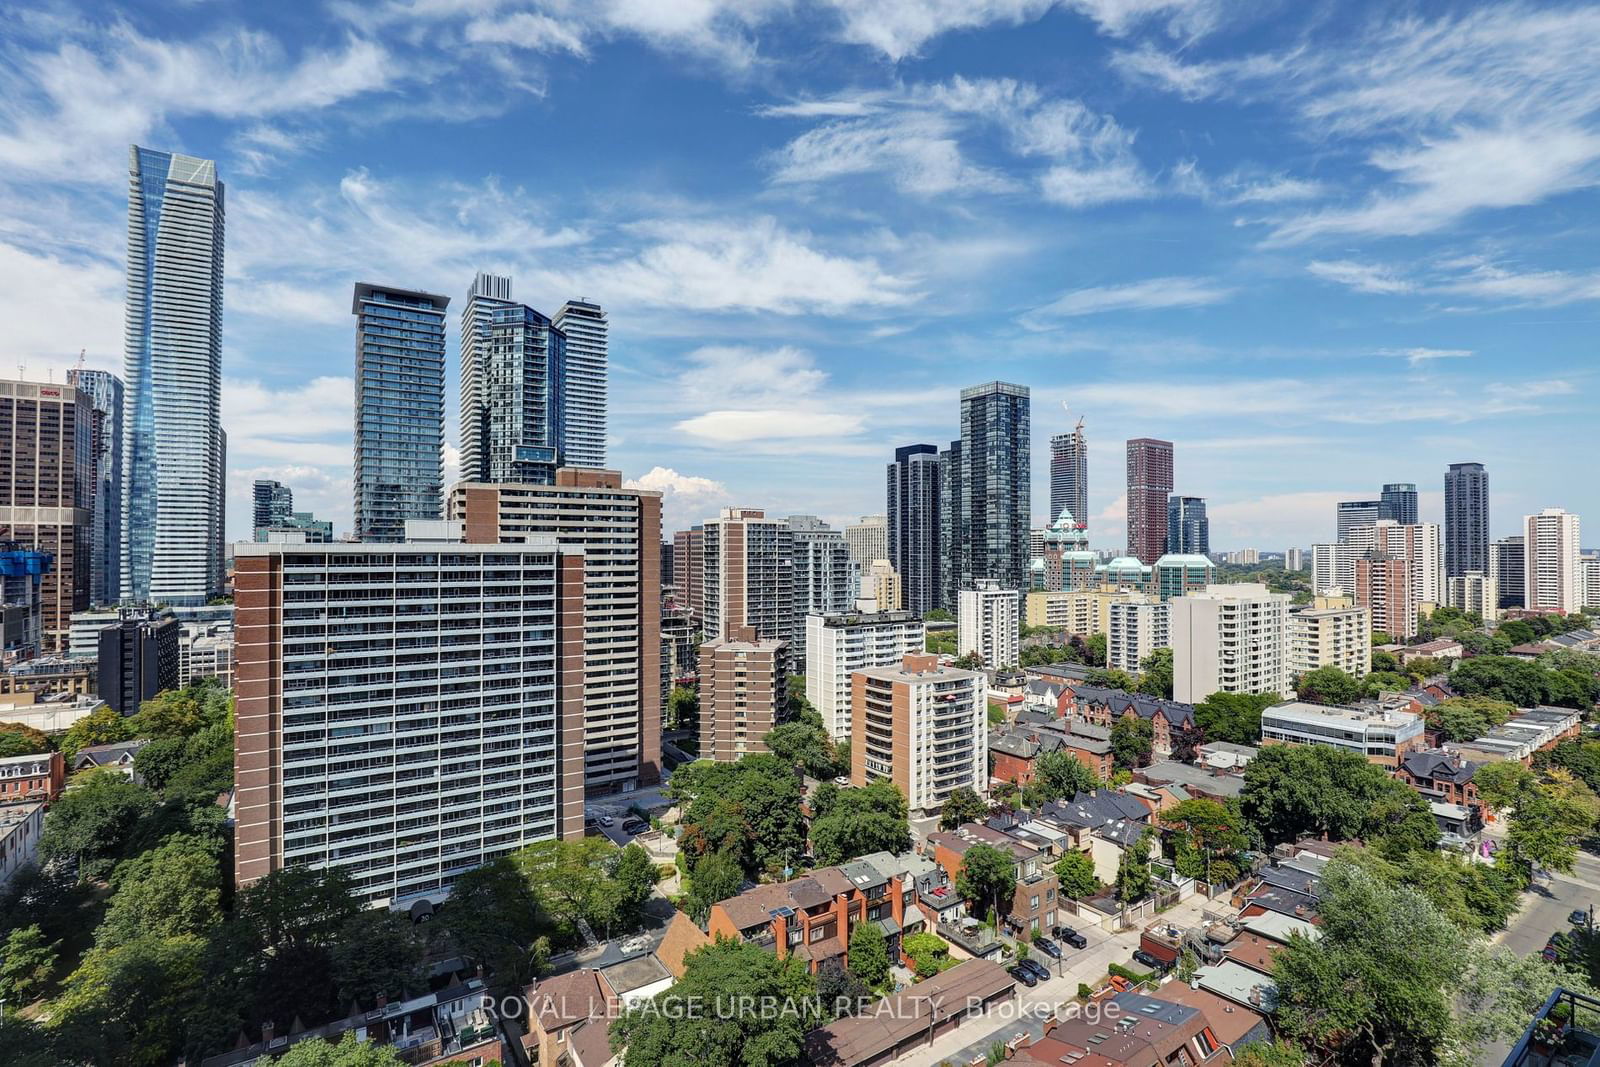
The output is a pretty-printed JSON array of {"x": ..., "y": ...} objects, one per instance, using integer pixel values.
[
  {"x": 1040, "y": 971},
  {"x": 1071, "y": 937},
  {"x": 1579, "y": 917},
  {"x": 1558, "y": 949},
  {"x": 842, "y": 781},
  {"x": 635, "y": 826},
  {"x": 606, "y": 820},
  {"x": 1140, "y": 956},
  {"x": 1023, "y": 975},
  {"x": 1048, "y": 947}
]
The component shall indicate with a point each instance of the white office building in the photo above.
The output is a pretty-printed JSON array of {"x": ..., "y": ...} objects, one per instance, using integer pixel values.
[
  {"x": 1381, "y": 735},
  {"x": 868, "y": 539},
  {"x": 1230, "y": 639},
  {"x": 988, "y": 623},
  {"x": 1135, "y": 629},
  {"x": 839, "y": 645},
  {"x": 174, "y": 450},
  {"x": 1551, "y": 543}
]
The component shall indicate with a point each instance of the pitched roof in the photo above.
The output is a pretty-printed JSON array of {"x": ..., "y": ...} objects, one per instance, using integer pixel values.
[
  {"x": 1147, "y": 707},
  {"x": 682, "y": 937},
  {"x": 886, "y": 1024},
  {"x": 1228, "y": 1021},
  {"x": 1439, "y": 765},
  {"x": 1103, "y": 807},
  {"x": 564, "y": 999}
]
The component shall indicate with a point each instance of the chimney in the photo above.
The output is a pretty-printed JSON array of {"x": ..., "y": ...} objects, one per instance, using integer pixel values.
[
  {"x": 383, "y": 1000},
  {"x": 1255, "y": 995},
  {"x": 266, "y": 1032}
]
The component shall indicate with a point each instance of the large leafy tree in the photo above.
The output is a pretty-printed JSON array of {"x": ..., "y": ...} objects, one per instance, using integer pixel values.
[
  {"x": 347, "y": 1053},
  {"x": 635, "y": 876},
  {"x": 1112, "y": 679},
  {"x": 683, "y": 708},
  {"x": 131, "y": 1003},
  {"x": 1133, "y": 871},
  {"x": 1155, "y": 674},
  {"x": 1233, "y": 717},
  {"x": 962, "y": 805},
  {"x": 1058, "y": 775},
  {"x": 572, "y": 880},
  {"x": 92, "y": 822},
  {"x": 807, "y": 745},
  {"x": 988, "y": 877},
  {"x": 378, "y": 952},
  {"x": 494, "y": 917},
  {"x": 100, "y": 727},
  {"x": 168, "y": 891},
  {"x": 26, "y": 960},
  {"x": 1132, "y": 741},
  {"x": 869, "y": 954},
  {"x": 714, "y": 877},
  {"x": 1292, "y": 790},
  {"x": 1507, "y": 678},
  {"x": 868, "y": 819},
  {"x": 1550, "y": 820},
  {"x": 679, "y": 1028},
  {"x": 750, "y": 808},
  {"x": 1075, "y": 870},
  {"x": 17, "y": 739},
  {"x": 1328, "y": 685},
  {"x": 288, "y": 924}
]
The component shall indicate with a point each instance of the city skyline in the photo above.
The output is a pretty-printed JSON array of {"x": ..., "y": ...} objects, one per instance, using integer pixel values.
[{"x": 1315, "y": 297}]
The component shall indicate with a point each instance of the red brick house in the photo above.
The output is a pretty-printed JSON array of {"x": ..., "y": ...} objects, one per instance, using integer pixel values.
[
  {"x": 25, "y": 779},
  {"x": 1105, "y": 707},
  {"x": 1033, "y": 903}
]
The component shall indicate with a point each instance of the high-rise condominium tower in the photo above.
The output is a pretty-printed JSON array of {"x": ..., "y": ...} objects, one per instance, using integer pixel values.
[
  {"x": 399, "y": 436},
  {"x": 1069, "y": 474},
  {"x": 1353, "y": 513},
  {"x": 993, "y": 503},
  {"x": 1466, "y": 519},
  {"x": 512, "y": 404},
  {"x": 826, "y": 579},
  {"x": 913, "y": 502},
  {"x": 173, "y": 449},
  {"x": 273, "y": 503},
  {"x": 747, "y": 577},
  {"x": 1508, "y": 563},
  {"x": 583, "y": 442},
  {"x": 868, "y": 539},
  {"x": 1552, "y": 582},
  {"x": 105, "y": 394},
  {"x": 1188, "y": 529},
  {"x": 47, "y": 493},
  {"x": 1149, "y": 485},
  {"x": 1398, "y": 502}
]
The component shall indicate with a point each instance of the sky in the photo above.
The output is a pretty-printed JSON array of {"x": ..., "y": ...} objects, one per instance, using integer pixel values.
[{"x": 1319, "y": 247}]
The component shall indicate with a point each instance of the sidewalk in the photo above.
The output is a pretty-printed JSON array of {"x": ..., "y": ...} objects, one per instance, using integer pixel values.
[{"x": 1027, "y": 1013}]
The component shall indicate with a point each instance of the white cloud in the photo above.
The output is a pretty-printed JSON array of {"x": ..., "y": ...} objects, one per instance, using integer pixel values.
[
  {"x": 1150, "y": 294},
  {"x": 1362, "y": 277},
  {"x": 57, "y": 305},
  {"x": 685, "y": 498},
  {"x": 737, "y": 373},
  {"x": 737, "y": 427},
  {"x": 1416, "y": 357},
  {"x": 922, "y": 138}
]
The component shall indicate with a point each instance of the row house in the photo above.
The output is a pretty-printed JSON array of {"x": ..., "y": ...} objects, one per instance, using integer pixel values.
[
  {"x": 1033, "y": 901},
  {"x": 1145, "y": 1031},
  {"x": 1015, "y": 752},
  {"x": 1107, "y": 706},
  {"x": 32, "y": 779},
  {"x": 812, "y": 917},
  {"x": 1103, "y": 824},
  {"x": 1440, "y": 776}
]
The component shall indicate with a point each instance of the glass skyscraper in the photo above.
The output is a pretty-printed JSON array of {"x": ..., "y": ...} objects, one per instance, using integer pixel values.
[
  {"x": 913, "y": 525},
  {"x": 1398, "y": 501},
  {"x": 583, "y": 441},
  {"x": 399, "y": 437},
  {"x": 1466, "y": 519},
  {"x": 105, "y": 393},
  {"x": 173, "y": 448},
  {"x": 993, "y": 501},
  {"x": 513, "y": 410},
  {"x": 1188, "y": 529},
  {"x": 1069, "y": 475}
]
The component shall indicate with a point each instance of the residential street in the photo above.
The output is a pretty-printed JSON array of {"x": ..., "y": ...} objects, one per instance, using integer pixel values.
[
  {"x": 1027, "y": 1014},
  {"x": 1544, "y": 911}
]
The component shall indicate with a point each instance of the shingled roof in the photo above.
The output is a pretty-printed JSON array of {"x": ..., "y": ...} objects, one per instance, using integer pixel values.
[{"x": 1147, "y": 707}]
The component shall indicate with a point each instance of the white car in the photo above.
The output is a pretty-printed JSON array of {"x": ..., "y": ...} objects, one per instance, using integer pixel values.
[{"x": 842, "y": 780}]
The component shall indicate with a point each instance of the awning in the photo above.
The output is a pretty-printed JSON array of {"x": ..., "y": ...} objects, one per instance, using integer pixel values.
[{"x": 888, "y": 926}]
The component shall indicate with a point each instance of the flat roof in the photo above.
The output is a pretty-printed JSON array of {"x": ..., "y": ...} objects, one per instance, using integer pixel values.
[
  {"x": 365, "y": 290},
  {"x": 1280, "y": 927},
  {"x": 1302, "y": 711},
  {"x": 1237, "y": 982}
]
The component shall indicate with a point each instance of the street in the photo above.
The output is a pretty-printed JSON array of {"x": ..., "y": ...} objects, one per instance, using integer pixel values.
[
  {"x": 1032, "y": 1007},
  {"x": 1545, "y": 908}
]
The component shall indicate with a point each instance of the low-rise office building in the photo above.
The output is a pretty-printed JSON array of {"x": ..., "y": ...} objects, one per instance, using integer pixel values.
[{"x": 1381, "y": 735}]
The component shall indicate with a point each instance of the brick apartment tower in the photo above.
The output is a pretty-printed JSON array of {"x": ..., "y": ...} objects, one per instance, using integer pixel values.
[
  {"x": 1383, "y": 587},
  {"x": 405, "y": 711},
  {"x": 922, "y": 726},
  {"x": 743, "y": 693},
  {"x": 47, "y": 486},
  {"x": 619, "y": 532},
  {"x": 1149, "y": 485}
]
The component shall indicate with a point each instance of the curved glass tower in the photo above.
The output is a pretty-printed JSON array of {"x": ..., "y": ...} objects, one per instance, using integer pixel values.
[{"x": 173, "y": 450}]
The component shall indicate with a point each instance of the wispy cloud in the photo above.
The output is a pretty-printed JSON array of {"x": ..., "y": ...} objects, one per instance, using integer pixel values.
[
  {"x": 1148, "y": 295},
  {"x": 1475, "y": 277},
  {"x": 1417, "y": 357},
  {"x": 1362, "y": 277}
]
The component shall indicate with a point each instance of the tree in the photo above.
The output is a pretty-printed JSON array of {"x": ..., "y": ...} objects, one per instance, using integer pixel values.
[
  {"x": 869, "y": 954},
  {"x": 1293, "y": 790},
  {"x": 1111, "y": 679},
  {"x": 1094, "y": 647},
  {"x": 1581, "y": 757},
  {"x": 1207, "y": 825},
  {"x": 1382, "y": 637},
  {"x": 962, "y": 805},
  {"x": 635, "y": 877},
  {"x": 571, "y": 880},
  {"x": 1133, "y": 871},
  {"x": 1233, "y": 717},
  {"x": 987, "y": 876},
  {"x": 26, "y": 963},
  {"x": 750, "y": 808},
  {"x": 17, "y": 739},
  {"x": 683, "y": 708},
  {"x": 1061, "y": 775},
  {"x": 131, "y": 1003},
  {"x": 1155, "y": 674},
  {"x": 288, "y": 923},
  {"x": 1384, "y": 682},
  {"x": 494, "y": 918},
  {"x": 1461, "y": 724},
  {"x": 1378, "y": 982},
  {"x": 1328, "y": 685},
  {"x": 1076, "y": 873},
  {"x": 347, "y": 1053},
  {"x": 100, "y": 727},
  {"x": 1265, "y": 1054},
  {"x": 929, "y": 954},
  {"x": 938, "y": 615},
  {"x": 806, "y": 745},
  {"x": 1503, "y": 677},
  {"x": 839, "y": 992},
  {"x": 168, "y": 891},
  {"x": 869, "y": 819},
  {"x": 1132, "y": 741},
  {"x": 92, "y": 822},
  {"x": 1500, "y": 783},
  {"x": 27, "y": 1044},
  {"x": 1477, "y": 897},
  {"x": 679, "y": 1026},
  {"x": 1385, "y": 662},
  {"x": 379, "y": 952},
  {"x": 715, "y": 877},
  {"x": 1550, "y": 820}
]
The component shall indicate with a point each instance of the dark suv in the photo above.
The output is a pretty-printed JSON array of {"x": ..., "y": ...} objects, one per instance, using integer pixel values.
[{"x": 1071, "y": 937}]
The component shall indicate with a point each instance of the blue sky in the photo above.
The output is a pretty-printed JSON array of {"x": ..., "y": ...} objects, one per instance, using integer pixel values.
[{"x": 1318, "y": 246}]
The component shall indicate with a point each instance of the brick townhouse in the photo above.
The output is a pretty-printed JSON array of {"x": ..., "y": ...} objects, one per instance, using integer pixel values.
[
  {"x": 1033, "y": 902},
  {"x": 1107, "y": 706}
]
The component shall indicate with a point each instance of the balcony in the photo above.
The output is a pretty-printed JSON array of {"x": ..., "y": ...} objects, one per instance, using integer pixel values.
[{"x": 1565, "y": 1032}]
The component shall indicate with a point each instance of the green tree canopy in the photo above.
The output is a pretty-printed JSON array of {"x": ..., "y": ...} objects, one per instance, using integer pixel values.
[
  {"x": 1507, "y": 678},
  {"x": 130, "y": 1004},
  {"x": 1112, "y": 679},
  {"x": 683, "y": 708},
  {"x": 1075, "y": 870},
  {"x": 100, "y": 727},
  {"x": 1133, "y": 871},
  {"x": 168, "y": 891},
  {"x": 962, "y": 805},
  {"x": 869, "y": 954},
  {"x": 929, "y": 953},
  {"x": 1155, "y": 674},
  {"x": 1293, "y": 790},
  {"x": 1233, "y": 717},
  {"x": 1061, "y": 775},
  {"x": 92, "y": 822},
  {"x": 1328, "y": 685},
  {"x": 716, "y": 876},
  {"x": 871, "y": 818},
  {"x": 494, "y": 917},
  {"x": 347, "y": 1053},
  {"x": 750, "y": 808},
  {"x": 17, "y": 739},
  {"x": 1132, "y": 741},
  {"x": 666, "y": 1033},
  {"x": 572, "y": 881},
  {"x": 379, "y": 952},
  {"x": 1551, "y": 818},
  {"x": 27, "y": 959},
  {"x": 988, "y": 877}
]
